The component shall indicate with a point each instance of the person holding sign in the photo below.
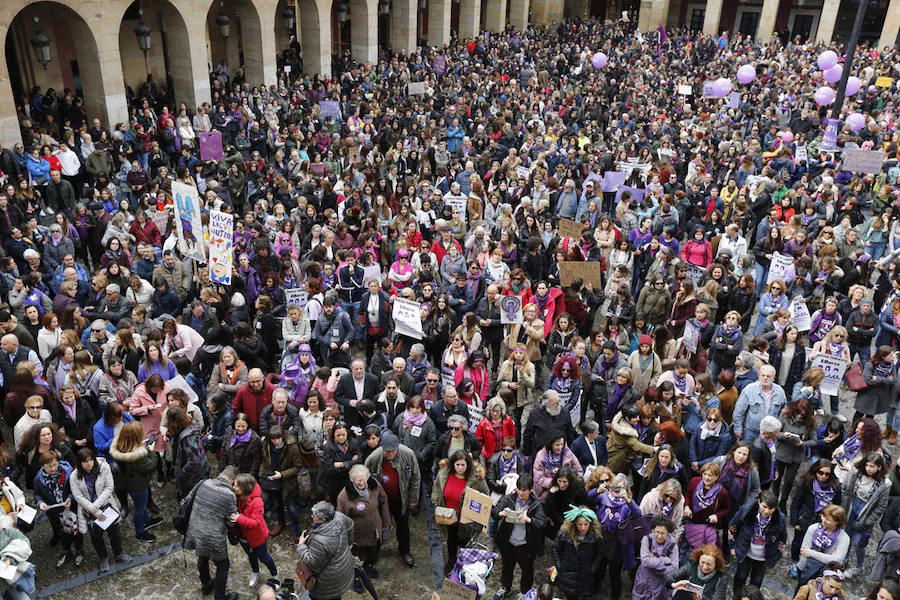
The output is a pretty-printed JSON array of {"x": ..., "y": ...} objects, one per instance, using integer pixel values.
[
  {"x": 454, "y": 476},
  {"x": 880, "y": 373},
  {"x": 520, "y": 534}
]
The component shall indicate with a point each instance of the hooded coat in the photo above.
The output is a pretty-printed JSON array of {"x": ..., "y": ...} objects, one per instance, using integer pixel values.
[
  {"x": 622, "y": 445},
  {"x": 251, "y": 518},
  {"x": 327, "y": 554},
  {"x": 370, "y": 515}
]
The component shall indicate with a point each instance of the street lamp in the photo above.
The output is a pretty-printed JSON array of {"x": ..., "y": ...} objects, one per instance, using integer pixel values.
[
  {"x": 342, "y": 12},
  {"x": 41, "y": 46},
  {"x": 290, "y": 19},
  {"x": 384, "y": 7},
  {"x": 224, "y": 24},
  {"x": 143, "y": 38},
  {"x": 848, "y": 59}
]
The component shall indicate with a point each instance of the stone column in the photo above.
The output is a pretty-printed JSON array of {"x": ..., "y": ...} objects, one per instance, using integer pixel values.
[
  {"x": 404, "y": 26},
  {"x": 891, "y": 26},
  {"x": 266, "y": 14},
  {"x": 187, "y": 58},
  {"x": 9, "y": 124},
  {"x": 495, "y": 19},
  {"x": 439, "y": 22},
  {"x": 767, "y": 20},
  {"x": 469, "y": 19},
  {"x": 827, "y": 20},
  {"x": 711, "y": 19},
  {"x": 364, "y": 31},
  {"x": 652, "y": 13},
  {"x": 315, "y": 36},
  {"x": 518, "y": 14},
  {"x": 541, "y": 11}
]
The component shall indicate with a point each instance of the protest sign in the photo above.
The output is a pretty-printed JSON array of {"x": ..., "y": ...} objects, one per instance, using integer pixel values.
[
  {"x": 476, "y": 507},
  {"x": 476, "y": 414},
  {"x": 589, "y": 272},
  {"x": 210, "y": 145},
  {"x": 415, "y": 88},
  {"x": 800, "y": 315},
  {"x": 834, "y": 367},
  {"x": 570, "y": 229},
  {"x": 684, "y": 90},
  {"x": 863, "y": 161},
  {"x": 636, "y": 193},
  {"x": 778, "y": 267},
  {"x": 510, "y": 309},
  {"x": 734, "y": 100},
  {"x": 298, "y": 296},
  {"x": 801, "y": 153},
  {"x": 160, "y": 218},
  {"x": 612, "y": 180},
  {"x": 221, "y": 246},
  {"x": 592, "y": 177},
  {"x": 523, "y": 172},
  {"x": 407, "y": 318},
  {"x": 371, "y": 272},
  {"x": 439, "y": 65},
  {"x": 330, "y": 108},
  {"x": 884, "y": 82},
  {"x": 710, "y": 90},
  {"x": 691, "y": 336},
  {"x": 695, "y": 274},
  {"x": 287, "y": 69},
  {"x": 458, "y": 204},
  {"x": 457, "y": 591},
  {"x": 829, "y": 138},
  {"x": 187, "y": 221}
]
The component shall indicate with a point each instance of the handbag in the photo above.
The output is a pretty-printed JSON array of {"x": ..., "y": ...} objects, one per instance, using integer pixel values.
[
  {"x": 632, "y": 531},
  {"x": 182, "y": 514},
  {"x": 304, "y": 484},
  {"x": 68, "y": 522},
  {"x": 269, "y": 485},
  {"x": 305, "y": 575},
  {"x": 444, "y": 515},
  {"x": 855, "y": 379}
]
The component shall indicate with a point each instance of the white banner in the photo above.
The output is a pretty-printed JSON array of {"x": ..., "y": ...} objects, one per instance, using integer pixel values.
[
  {"x": 510, "y": 309},
  {"x": 459, "y": 205},
  {"x": 371, "y": 272},
  {"x": 523, "y": 173},
  {"x": 834, "y": 367},
  {"x": 221, "y": 246},
  {"x": 779, "y": 267},
  {"x": 407, "y": 318},
  {"x": 800, "y": 317},
  {"x": 691, "y": 336},
  {"x": 187, "y": 221},
  {"x": 298, "y": 296},
  {"x": 416, "y": 88},
  {"x": 801, "y": 153}
]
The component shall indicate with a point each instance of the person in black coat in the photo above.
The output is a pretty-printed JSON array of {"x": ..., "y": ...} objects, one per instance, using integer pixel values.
[
  {"x": 763, "y": 454},
  {"x": 549, "y": 416},
  {"x": 457, "y": 428},
  {"x": 449, "y": 405},
  {"x": 577, "y": 560},
  {"x": 798, "y": 362},
  {"x": 761, "y": 520},
  {"x": 803, "y": 511},
  {"x": 79, "y": 428},
  {"x": 590, "y": 447},
  {"x": 496, "y": 470},
  {"x": 522, "y": 540},
  {"x": 566, "y": 490},
  {"x": 345, "y": 394},
  {"x": 335, "y": 461},
  {"x": 264, "y": 324}
]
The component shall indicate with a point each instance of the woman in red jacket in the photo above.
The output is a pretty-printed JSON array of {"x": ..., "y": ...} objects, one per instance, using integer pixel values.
[
  {"x": 145, "y": 231},
  {"x": 494, "y": 427},
  {"x": 251, "y": 525},
  {"x": 697, "y": 250}
]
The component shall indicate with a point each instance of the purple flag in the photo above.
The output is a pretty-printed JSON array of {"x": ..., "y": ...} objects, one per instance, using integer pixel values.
[
  {"x": 210, "y": 145},
  {"x": 663, "y": 38},
  {"x": 829, "y": 140}
]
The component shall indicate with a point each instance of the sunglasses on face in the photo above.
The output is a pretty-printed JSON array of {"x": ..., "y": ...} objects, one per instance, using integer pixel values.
[
  {"x": 455, "y": 428},
  {"x": 431, "y": 380},
  {"x": 711, "y": 420},
  {"x": 825, "y": 473},
  {"x": 508, "y": 450}
]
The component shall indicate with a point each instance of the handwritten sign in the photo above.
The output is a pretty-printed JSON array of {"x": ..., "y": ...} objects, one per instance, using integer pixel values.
[
  {"x": 834, "y": 367},
  {"x": 778, "y": 267},
  {"x": 458, "y": 205},
  {"x": 407, "y": 318},
  {"x": 510, "y": 309},
  {"x": 800, "y": 317},
  {"x": 570, "y": 229},
  {"x": 457, "y": 591},
  {"x": 221, "y": 246},
  {"x": 476, "y": 414},
  {"x": 476, "y": 507},
  {"x": 589, "y": 272},
  {"x": 884, "y": 82},
  {"x": 371, "y": 272},
  {"x": 691, "y": 336},
  {"x": 685, "y": 90},
  {"x": 187, "y": 221},
  {"x": 863, "y": 161},
  {"x": 415, "y": 88}
]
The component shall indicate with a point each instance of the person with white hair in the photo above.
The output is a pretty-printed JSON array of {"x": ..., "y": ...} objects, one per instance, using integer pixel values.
[
  {"x": 763, "y": 450},
  {"x": 550, "y": 416},
  {"x": 759, "y": 399},
  {"x": 325, "y": 550}
]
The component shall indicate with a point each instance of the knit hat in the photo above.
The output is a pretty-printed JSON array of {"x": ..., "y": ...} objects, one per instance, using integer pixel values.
[{"x": 645, "y": 339}]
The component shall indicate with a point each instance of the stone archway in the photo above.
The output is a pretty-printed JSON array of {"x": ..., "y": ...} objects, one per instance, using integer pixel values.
[{"x": 242, "y": 49}]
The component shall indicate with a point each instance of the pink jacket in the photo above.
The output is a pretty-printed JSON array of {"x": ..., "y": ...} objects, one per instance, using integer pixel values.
[
  {"x": 697, "y": 253},
  {"x": 150, "y": 418},
  {"x": 543, "y": 475},
  {"x": 327, "y": 388}
]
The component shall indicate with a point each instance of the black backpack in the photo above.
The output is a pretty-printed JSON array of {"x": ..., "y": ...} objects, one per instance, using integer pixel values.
[{"x": 182, "y": 515}]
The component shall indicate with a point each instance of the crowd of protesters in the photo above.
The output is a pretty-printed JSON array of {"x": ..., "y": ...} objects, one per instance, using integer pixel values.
[{"x": 650, "y": 425}]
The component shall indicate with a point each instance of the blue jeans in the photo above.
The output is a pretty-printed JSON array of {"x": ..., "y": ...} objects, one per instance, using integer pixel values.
[
  {"x": 876, "y": 249},
  {"x": 892, "y": 419},
  {"x": 23, "y": 587},
  {"x": 859, "y": 539},
  {"x": 140, "y": 510},
  {"x": 260, "y": 554},
  {"x": 759, "y": 272},
  {"x": 352, "y": 309},
  {"x": 865, "y": 353}
]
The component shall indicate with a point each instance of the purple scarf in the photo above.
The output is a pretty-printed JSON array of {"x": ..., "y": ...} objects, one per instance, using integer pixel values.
[
  {"x": 70, "y": 410},
  {"x": 734, "y": 479},
  {"x": 820, "y": 595},
  {"x": 507, "y": 466},
  {"x": 852, "y": 446},
  {"x": 613, "y": 511},
  {"x": 606, "y": 366},
  {"x": 613, "y": 407},
  {"x": 822, "y": 540},
  {"x": 554, "y": 462},
  {"x": 883, "y": 369},
  {"x": 759, "y": 529},
  {"x": 823, "y": 496},
  {"x": 240, "y": 438},
  {"x": 410, "y": 420},
  {"x": 680, "y": 382},
  {"x": 704, "y": 499},
  {"x": 667, "y": 509},
  {"x": 822, "y": 325}
]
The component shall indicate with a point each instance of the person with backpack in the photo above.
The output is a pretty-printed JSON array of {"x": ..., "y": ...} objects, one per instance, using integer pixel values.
[{"x": 210, "y": 505}]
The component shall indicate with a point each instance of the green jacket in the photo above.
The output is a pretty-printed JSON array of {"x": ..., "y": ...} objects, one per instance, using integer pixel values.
[
  {"x": 135, "y": 467},
  {"x": 407, "y": 465},
  {"x": 291, "y": 465}
]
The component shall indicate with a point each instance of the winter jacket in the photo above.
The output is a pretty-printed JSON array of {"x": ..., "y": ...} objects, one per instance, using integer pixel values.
[
  {"x": 703, "y": 451},
  {"x": 484, "y": 433},
  {"x": 251, "y": 518},
  {"x": 327, "y": 554},
  {"x": 861, "y": 328},
  {"x": 82, "y": 428},
  {"x": 543, "y": 474},
  {"x": 290, "y": 420},
  {"x": 144, "y": 407},
  {"x": 534, "y": 529},
  {"x": 246, "y": 456},
  {"x": 470, "y": 445},
  {"x": 90, "y": 507},
  {"x": 803, "y": 505},
  {"x": 190, "y": 462},
  {"x": 407, "y": 467},
  {"x": 654, "y": 305},
  {"x": 713, "y": 589},
  {"x": 878, "y": 397},
  {"x": 540, "y": 424},
  {"x": 337, "y": 328},
  {"x": 583, "y": 453},
  {"x": 875, "y": 505},
  {"x": 657, "y": 561},
  {"x": 42, "y": 491},
  {"x": 332, "y": 478},
  {"x": 421, "y": 441},
  {"x": 719, "y": 351},
  {"x": 809, "y": 591},
  {"x": 252, "y": 403},
  {"x": 576, "y": 563},
  {"x": 742, "y": 525},
  {"x": 207, "y": 532},
  {"x": 291, "y": 465},
  {"x": 370, "y": 515},
  {"x": 623, "y": 444},
  {"x": 230, "y": 385},
  {"x": 786, "y": 449},
  {"x": 525, "y": 379},
  {"x": 135, "y": 466},
  {"x": 475, "y": 481}
]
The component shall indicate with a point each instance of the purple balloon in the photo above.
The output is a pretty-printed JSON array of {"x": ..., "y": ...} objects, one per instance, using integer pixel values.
[
  {"x": 746, "y": 74},
  {"x": 856, "y": 121},
  {"x": 824, "y": 96},
  {"x": 827, "y": 60},
  {"x": 853, "y": 85},
  {"x": 599, "y": 60},
  {"x": 833, "y": 75},
  {"x": 723, "y": 86}
]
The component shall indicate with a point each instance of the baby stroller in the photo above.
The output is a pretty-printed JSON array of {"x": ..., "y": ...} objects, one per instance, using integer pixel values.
[{"x": 474, "y": 564}]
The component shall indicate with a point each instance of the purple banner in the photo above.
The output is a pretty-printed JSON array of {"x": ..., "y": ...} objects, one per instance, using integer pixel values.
[
  {"x": 439, "y": 66},
  {"x": 210, "y": 145},
  {"x": 636, "y": 193},
  {"x": 612, "y": 180}
]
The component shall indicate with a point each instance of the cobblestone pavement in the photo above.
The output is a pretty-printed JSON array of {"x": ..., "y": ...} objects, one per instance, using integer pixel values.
[{"x": 173, "y": 575}]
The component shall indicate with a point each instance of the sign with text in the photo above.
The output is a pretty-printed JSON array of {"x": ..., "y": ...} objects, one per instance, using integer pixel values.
[
  {"x": 458, "y": 204},
  {"x": 523, "y": 172},
  {"x": 407, "y": 317},
  {"x": 298, "y": 296},
  {"x": 510, "y": 309},
  {"x": 684, "y": 90},
  {"x": 570, "y": 229},
  {"x": 801, "y": 153},
  {"x": 612, "y": 180},
  {"x": 800, "y": 317},
  {"x": 691, "y": 335},
  {"x": 371, "y": 272},
  {"x": 330, "y": 108},
  {"x": 834, "y": 367},
  {"x": 695, "y": 274},
  {"x": 476, "y": 507},
  {"x": 779, "y": 267},
  {"x": 884, "y": 82},
  {"x": 415, "y": 88},
  {"x": 863, "y": 161},
  {"x": 734, "y": 100},
  {"x": 221, "y": 246},
  {"x": 187, "y": 221},
  {"x": 588, "y": 272}
]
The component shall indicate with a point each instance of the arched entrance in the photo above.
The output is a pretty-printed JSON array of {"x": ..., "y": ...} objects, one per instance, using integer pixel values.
[
  {"x": 235, "y": 40},
  {"x": 70, "y": 60},
  {"x": 167, "y": 59},
  {"x": 355, "y": 26}
]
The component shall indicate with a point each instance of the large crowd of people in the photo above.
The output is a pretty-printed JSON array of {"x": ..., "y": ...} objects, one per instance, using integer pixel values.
[{"x": 639, "y": 424}]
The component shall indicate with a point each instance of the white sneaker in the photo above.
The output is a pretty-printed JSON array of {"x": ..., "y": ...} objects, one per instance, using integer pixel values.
[
  {"x": 841, "y": 418},
  {"x": 852, "y": 572},
  {"x": 254, "y": 579}
]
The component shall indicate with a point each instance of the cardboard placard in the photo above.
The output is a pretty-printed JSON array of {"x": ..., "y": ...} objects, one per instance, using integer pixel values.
[
  {"x": 510, "y": 309},
  {"x": 863, "y": 161},
  {"x": 476, "y": 507},
  {"x": 455, "y": 591},
  {"x": 884, "y": 82},
  {"x": 523, "y": 172},
  {"x": 570, "y": 229},
  {"x": 298, "y": 296},
  {"x": 695, "y": 274},
  {"x": 459, "y": 204},
  {"x": 589, "y": 272}
]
